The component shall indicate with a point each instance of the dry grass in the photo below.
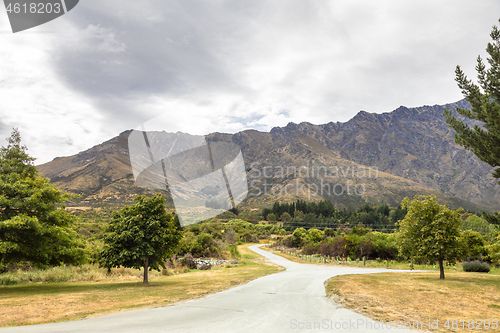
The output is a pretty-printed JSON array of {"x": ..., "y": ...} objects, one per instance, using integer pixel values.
[
  {"x": 43, "y": 303},
  {"x": 420, "y": 297}
]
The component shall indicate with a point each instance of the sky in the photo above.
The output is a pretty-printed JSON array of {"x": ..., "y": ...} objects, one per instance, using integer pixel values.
[{"x": 225, "y": 66}]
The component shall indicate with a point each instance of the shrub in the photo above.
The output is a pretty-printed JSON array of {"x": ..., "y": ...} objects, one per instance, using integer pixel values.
[
  {"x": 310, "y": 248},
  {"x": 314, "y": 235},
  {"x": 298, "y": 237},
  {"x": 330, "y": 232},
  {"x": 334, "y": 247},
  {"x": 365, "y": 249},
  {"x": 476, "y": 266},
  {"x": 189, "y": 261},
  {"x": 249, "y": 237},
  {"x": 288, "y": 241},
  {"x": 233, "y": 251}
]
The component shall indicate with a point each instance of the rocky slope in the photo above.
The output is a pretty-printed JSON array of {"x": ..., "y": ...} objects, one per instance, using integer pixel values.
[{"x": 372, "y": 157}]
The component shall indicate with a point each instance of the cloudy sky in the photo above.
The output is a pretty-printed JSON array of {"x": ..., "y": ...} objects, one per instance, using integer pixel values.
[{"x": 205, "y": 66}]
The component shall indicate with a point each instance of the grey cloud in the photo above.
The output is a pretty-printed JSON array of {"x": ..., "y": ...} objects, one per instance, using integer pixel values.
[
  {"x": 181, "y": 53},
  {"x": 348, "y": 57}
]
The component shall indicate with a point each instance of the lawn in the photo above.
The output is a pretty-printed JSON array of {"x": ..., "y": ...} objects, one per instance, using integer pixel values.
[
  {"x": 37, "y": 303},
  {"x": 462, "y": 299}
]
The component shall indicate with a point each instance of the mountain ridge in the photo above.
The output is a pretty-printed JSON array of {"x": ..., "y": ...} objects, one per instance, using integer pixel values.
[{"x": 410, "y": 147}]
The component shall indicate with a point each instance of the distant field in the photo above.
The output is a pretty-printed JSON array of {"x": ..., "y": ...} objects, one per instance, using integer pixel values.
[
  {"x": 36, "y": 303},
  {"x": 463, "y": 298}
]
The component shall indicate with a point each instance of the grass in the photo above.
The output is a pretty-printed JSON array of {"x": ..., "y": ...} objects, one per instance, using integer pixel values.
[
  {"x": 37, "y": 303},
  {"x": 420, "y": 297},
  {"x": 67, "y": 274},
  {"x": 246, "y": 253}
]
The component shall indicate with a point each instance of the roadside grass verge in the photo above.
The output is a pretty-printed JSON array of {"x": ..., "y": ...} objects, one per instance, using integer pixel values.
[
  {"x": 420, "y": 297},
  {"x": 37, "y": 303},
  {"x": 67, "y": 274},
  {"x": 246, "y": 253}
]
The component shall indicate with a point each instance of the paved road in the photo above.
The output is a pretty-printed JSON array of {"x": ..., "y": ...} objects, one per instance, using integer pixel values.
[{"x": 290, "y": 301}]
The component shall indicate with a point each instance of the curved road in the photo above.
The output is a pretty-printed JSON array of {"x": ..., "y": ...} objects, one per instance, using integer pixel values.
[{"x": 290, "y": 301}]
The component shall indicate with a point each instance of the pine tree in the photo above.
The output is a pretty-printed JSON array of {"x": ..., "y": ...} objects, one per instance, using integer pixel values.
[
  {"x": 34, "y": 227},
  {"x": 484, "y": 98}
]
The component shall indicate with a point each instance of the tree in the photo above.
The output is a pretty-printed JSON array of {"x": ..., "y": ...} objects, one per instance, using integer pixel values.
[
  {"x": 475, "y": 223},
  {"x": 298, "y": 237},
  {"x": 285, "y": 217},
  {"x": 492, "y": 218},
  {"x": 140, "y": 235},
  {"x": 473, "y": 244},
  {"x": 271, "y": 217},
  {"x": 429, "y": 231},
  {"x": 483, "y": 140},
  {"x": 34, "y": 226},
  {"x": 314, "y": 235}
]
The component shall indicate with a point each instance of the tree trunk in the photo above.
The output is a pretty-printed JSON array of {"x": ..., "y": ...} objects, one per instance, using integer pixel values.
[
  {"x": 441, "y": 269},
  {"x": 146, "y": 270}
]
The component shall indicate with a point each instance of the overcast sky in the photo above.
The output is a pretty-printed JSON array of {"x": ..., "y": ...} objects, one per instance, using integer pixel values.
[{"x": 205, "y": 66}]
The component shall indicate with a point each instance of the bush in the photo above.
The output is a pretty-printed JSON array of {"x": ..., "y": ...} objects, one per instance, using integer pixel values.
[
  {"x": 298, "y": 237},
  {"x": 334, "y": 247},
  {"x": 189, "y": 261},
  {"x": 330, "y": 232},
  {"x": 233, "y": 251},
  {"x": 314, "y": 236},
  {"x": 476, "y": 266},
  {"x": 288, "y": 241},
  {"x": 310, "y": 249}
]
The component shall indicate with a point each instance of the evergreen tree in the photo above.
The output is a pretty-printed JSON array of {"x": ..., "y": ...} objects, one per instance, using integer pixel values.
[
  {"x": 483, "y": 140},
  {"x": 34, "y": 227}
]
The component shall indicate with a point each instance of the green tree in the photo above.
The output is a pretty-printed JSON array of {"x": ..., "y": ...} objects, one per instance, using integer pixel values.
[
  {"x": 285, "y": 217},
  {"x": 140, "y": 235},
  {"x": 475, "y": 223},
  {"x": 314, "y": 235},
  {"x": 271, "y": 217},
  {"x": 34, "y": 226},
  {"x": 483, "y": 140},
  {"x": 492, "y": 218},
  {"x": 429, "y": 231},
  {"x": 473, "y": 244},
  {"x": 298, "y": 237}
]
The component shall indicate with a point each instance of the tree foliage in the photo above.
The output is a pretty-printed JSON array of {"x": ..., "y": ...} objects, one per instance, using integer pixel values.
[
  {"x": 483, "y": 140},
  {"x": 140, "y": 235},
  {"x": 324, "y": 214},
  {"x": 475, "y": 223},
  {"x": 429, "y": 231},
  {"x": 34, "y": 227},
  {"x": 473, "y": 244}
]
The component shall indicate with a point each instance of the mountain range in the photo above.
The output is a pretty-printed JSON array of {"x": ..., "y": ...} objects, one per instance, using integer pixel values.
[{"x": 370, "y": 158}]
